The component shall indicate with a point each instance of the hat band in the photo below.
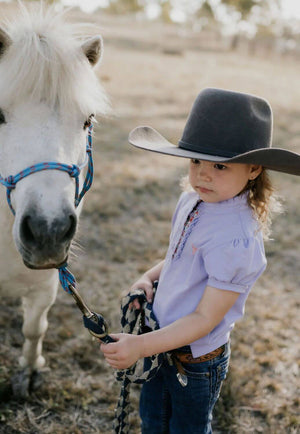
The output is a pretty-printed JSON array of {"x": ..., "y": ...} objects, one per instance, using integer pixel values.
[{"x": 204, "y": 150}]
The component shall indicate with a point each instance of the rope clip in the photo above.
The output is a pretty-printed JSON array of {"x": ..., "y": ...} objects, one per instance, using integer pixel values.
[{"x": 94, "y": 322}]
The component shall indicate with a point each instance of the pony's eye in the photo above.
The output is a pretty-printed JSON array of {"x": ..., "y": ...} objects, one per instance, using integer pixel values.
[
  {"x": 2, "y": 117},
  {"x": 88, "y": 122}
]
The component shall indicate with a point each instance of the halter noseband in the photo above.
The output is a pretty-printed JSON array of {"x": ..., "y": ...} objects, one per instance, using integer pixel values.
[{"x": 73, "y": 170}]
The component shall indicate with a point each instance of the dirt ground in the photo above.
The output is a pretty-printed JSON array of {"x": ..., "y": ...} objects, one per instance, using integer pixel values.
[{"x": 152, "y": 74}]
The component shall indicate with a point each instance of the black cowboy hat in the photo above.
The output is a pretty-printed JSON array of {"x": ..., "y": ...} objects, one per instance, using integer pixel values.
[{"x": 226, "y": 127}]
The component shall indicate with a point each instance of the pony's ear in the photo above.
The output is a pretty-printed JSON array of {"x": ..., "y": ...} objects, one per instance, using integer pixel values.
[
  {"x": 5, "y": 41},
  {"x": 93, "y": 49}
]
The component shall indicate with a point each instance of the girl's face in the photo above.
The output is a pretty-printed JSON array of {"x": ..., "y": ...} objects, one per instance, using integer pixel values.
[{"x": 216, "y": 182}]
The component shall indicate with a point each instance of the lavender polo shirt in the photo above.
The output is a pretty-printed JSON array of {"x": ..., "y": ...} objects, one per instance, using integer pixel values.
[{"x": 222, "y": 248}]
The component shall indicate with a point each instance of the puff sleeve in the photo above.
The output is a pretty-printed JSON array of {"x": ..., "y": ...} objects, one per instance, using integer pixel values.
[{"x": 235, "y": 265}]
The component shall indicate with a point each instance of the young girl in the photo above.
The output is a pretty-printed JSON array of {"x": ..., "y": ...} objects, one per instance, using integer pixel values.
[{"x": 215, "y": 255}]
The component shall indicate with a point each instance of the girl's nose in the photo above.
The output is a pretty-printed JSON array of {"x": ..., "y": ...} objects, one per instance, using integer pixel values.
[{"x": 204, "y": 171}]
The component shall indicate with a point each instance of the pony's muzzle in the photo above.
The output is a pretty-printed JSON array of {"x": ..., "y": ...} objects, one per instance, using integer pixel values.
[{"x": 45, "y": 244}]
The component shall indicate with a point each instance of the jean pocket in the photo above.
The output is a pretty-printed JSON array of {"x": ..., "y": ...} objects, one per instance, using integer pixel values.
[{"x": 195, "y": 370}]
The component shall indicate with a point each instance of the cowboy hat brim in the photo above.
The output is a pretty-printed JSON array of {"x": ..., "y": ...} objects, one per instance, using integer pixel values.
[{"x": 277, "y": 159}]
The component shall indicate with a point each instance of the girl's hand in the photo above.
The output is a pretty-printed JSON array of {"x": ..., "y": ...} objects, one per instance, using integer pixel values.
[
  {"x": 124, "y": 352},
  {"x": 146, "y": 284}
]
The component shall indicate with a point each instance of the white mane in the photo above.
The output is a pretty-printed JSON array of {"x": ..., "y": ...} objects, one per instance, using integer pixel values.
[{"x": 45, "y": 62}]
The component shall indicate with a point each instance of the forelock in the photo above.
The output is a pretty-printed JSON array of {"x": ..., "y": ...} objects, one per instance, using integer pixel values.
[{"x": 44, "y": 62}]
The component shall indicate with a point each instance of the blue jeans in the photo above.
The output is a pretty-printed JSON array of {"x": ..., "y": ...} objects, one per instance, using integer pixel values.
[{"x": 166, "y": 407}]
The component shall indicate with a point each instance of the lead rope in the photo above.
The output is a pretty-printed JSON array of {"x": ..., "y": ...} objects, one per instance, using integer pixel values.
[
  {"x": 66, "y": 278},
  {"x": 133, "y": 320},
  {"x": 93, "y": 321}
]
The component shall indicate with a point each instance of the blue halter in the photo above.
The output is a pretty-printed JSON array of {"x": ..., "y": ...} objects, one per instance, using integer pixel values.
[
  {"x": 65, "y": 276},
  {"x": 73, "y": 170}
]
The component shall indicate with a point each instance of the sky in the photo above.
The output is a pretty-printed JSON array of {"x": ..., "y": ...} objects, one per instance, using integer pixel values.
[{"x": 290, "y": 8}]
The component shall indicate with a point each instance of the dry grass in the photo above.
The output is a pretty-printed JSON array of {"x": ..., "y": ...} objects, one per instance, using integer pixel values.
[{"x": 124, "y": 229}]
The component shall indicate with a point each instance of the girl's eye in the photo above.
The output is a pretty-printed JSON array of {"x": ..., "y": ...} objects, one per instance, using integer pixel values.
[
  {"x": 88, "y": 122},
  {"x": 220, "y": 166},
  {"x": 195, "y": 161}
]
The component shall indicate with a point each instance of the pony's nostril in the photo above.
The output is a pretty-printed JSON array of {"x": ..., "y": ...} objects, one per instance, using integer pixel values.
[
  {"x": 70, "y": 228},
  {"x": 35, "y": 231},
  {"x": 27, "y": 233}
]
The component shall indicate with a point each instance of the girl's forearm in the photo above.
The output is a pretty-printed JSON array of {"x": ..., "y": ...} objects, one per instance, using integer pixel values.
[{"x": 181, "y": 332}]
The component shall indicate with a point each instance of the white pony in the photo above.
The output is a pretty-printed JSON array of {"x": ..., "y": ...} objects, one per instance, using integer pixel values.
[{"x": 48, "y": 92}]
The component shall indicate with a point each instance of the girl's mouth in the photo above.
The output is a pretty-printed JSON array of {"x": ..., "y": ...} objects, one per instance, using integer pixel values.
[{"x": 204, "y": 190}]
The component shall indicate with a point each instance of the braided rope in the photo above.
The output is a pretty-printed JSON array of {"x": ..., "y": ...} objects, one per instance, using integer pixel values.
[
  {"x": 132, "y": 321},
  {"x": 66, "y": 278}
]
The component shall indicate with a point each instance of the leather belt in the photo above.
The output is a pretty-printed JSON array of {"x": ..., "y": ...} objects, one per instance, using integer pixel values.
[{"x": 188, "y": 357}]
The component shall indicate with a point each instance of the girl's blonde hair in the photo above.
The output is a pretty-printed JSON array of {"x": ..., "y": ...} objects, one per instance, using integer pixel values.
[
  {"x": 263, "y": 201},
  {"x": 261, "y": 198}
]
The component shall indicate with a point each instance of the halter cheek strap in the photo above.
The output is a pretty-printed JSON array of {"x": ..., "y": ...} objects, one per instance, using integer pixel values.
[{"x": 73, "y": 170}]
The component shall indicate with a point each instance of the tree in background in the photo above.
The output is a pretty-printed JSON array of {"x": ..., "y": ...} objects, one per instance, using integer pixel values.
[
  {"x": 244, "y": 6},
  {"x": 125, "y": 6},
  {"x": 239, "y": 19},
  {"x": 48, "y": 2},
  {"x": 166, "y": 9}
]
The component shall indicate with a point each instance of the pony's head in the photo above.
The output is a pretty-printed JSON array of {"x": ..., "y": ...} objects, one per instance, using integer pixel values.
[{"x": 48, "y": 93}]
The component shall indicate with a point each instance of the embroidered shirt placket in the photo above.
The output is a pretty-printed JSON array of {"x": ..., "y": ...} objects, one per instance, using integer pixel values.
[{"x": 188, "y": 225}]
